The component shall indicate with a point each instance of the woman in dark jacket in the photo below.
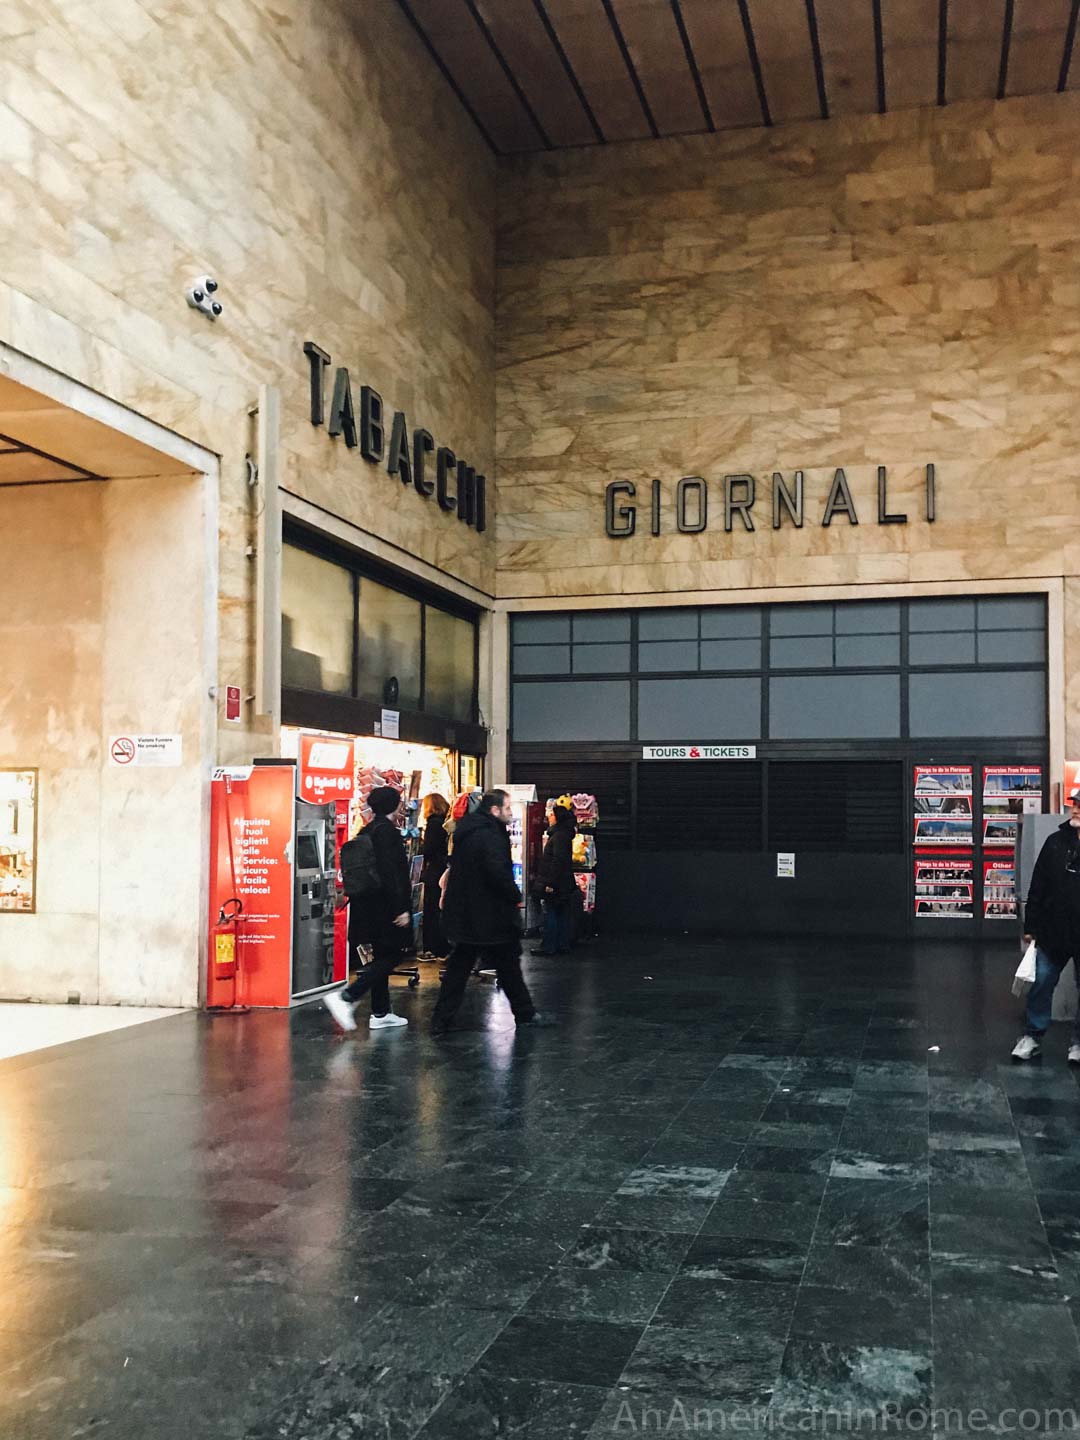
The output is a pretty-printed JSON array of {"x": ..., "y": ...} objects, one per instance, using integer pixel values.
[
  {"x": 556, "y": 880},
  {"x": 436, "y": 848}
]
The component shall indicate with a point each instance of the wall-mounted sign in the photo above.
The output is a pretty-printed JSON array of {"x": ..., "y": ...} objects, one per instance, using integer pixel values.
[
  {"x": 785, "y": 865},
  {"x": 698, "y": 752},
  {"x": 233, "y": 704},
  {"x": 738, "y": 495},
  {"x": 138, "y": 750},
  {"x": 456, "y": 486},
  {"x": 326, "y": 768},
  {"x": 390, "y": 725},
  {"x": 18, "y": 841}
]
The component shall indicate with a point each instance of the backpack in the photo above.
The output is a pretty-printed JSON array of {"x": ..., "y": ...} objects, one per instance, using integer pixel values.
[{"x": 359, "y": 872}]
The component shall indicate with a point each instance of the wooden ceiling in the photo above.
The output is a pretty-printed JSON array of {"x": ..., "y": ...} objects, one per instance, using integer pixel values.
[{"x": 551, "y": 74}]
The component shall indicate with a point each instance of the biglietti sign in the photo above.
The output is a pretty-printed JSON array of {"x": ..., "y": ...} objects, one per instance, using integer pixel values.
[
  {"x": 362, "y": 424},
  {"x": 737, "y": 497}
]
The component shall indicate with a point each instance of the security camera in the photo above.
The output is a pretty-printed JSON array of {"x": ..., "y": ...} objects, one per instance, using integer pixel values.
[{"x": 198, "y": 295}]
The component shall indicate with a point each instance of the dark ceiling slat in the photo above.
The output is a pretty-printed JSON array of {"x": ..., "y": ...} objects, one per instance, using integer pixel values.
[
  {"x": 819, "y": 68},
  {"x": 552, "y": 34},
  {"x": 755, "y": 62},
  {"x": 406, "y": 10},
  {"x": 691, "y": 60},
  {"x": 22, "y": 448},
  {"x": 942, "y": 50},
  {"x": 631, "y": 70},
  {"x": 1070, "y": 40},
  {"x": 501, "y": 58},
  {"x": 1006, "y": 42},
  {"x": 879, "y": 57}
]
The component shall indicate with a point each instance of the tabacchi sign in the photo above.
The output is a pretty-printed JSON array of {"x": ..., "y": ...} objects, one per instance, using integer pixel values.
[
  {"x": 739, "y": 495},
  {"x": 456, "y": 486}
]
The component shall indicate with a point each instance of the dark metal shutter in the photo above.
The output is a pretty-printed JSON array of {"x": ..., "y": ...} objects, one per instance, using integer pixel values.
[
  {"x": 855, "y": 806},
  {"x": 609, "y": 783},
  {"x": 699, "y": 805}
]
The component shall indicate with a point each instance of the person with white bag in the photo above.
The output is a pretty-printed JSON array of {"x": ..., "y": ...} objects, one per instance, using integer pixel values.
[{"x": 1052, "y": 924}]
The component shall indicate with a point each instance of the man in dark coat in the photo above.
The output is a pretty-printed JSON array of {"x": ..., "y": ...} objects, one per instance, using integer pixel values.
[
  {"x": 383, "y": 920},
  {"x": 482, "y": 914},
  {"x": 1052, "y": 920},
  {"x": 555, "y": 879}
]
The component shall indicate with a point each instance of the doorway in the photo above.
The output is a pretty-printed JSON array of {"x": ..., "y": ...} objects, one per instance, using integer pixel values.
[{"x": 108, "y": 650}]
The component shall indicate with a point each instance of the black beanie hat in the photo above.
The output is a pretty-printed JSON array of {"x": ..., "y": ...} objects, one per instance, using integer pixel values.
[{"x": 384, "y": 800}]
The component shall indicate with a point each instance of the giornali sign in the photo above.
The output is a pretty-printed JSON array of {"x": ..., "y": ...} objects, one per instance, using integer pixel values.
[
  {"x": 361, "y": 421},
  {"x": 736, "y": 497}
]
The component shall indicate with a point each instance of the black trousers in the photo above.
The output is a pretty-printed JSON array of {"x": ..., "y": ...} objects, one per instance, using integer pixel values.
[
  {"x": 434, "y": 935},
  {"x": 386, "y": 957},
  {"x": 505, "y": 960}
]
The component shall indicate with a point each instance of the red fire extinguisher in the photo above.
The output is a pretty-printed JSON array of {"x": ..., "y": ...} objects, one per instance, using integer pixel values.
[{"x": 226, "y": 932}]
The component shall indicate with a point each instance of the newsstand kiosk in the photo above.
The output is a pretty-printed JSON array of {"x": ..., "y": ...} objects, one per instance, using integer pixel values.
[{"x": 274, "y": 855}]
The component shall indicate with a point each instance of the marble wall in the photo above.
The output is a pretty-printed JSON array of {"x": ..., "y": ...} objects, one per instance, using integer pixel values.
[
  {"x": 312, "y": 159},
  {"x": 882, "y": 290}
]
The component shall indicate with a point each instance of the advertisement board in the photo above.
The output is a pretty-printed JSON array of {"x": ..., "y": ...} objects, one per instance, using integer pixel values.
[
  {"x": 251, "y": 855},
  {"x": 18, "y": 841}
]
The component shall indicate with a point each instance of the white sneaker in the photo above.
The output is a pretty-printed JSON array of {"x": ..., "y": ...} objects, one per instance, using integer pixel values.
[
  {"x": 1026, "y": 1048},
  {"x": 341, "y": 1010},
  {"x": 389, "y": 1021},
  {"x": 1074, "y": 1053}
]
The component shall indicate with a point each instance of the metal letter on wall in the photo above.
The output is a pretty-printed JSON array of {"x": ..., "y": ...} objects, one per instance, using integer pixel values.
[
  {"x": 691, "y": 484},
  {"x": 619, "y": 520},
  {"x": 742, "y": 504},
  {"x": 782, "y": 496},
  {"x": 267, "y": 501},
  {"x": 883, "y": 516},
  {"x": 839, "y": 499}
]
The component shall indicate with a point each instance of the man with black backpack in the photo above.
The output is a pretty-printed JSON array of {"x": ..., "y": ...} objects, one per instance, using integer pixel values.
[{"x": 375, "y": 874}]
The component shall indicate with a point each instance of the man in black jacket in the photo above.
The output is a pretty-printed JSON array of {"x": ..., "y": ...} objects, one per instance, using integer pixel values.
[
  {"x": 1052, "y": 920},
  {"x": 383, "y": 920},
  {"x": 482, "y": 913}
]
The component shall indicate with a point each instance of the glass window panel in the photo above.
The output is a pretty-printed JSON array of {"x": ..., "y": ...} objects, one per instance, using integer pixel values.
[
  {"x": 1011, "y": 612},
  {"x": 1011, "y": 647},
  {"x": 595, "y": 659},
  {"x": 541, "y": 629},
  {"x": 602, "y": 627},
  {"x": 834, "y": 707},
  {"x": 868, "y": 617},
  {"x": 316, "y": 623},
  {"x": 941, "y": 615},
  {"x": 668, "y": 655},
  {"x": 986, "y": 702},
  {"x": 389, "y": 643},
  {"x": 731, "y": 654},
  {"x": 450, "y": 659},
  {"x": 571, "y": 710},
  {"x": 801, "y": 620},
  {"x": 797, "y": 653},
  {"x": 668, "y": 625},
  {"x": 734, "y": 623},
  {"x": 868, "y": 649},
  {"x": 541, "y": 659},
  {"x": 956, "y": 649},
  {"x": 699, "y": 709}
]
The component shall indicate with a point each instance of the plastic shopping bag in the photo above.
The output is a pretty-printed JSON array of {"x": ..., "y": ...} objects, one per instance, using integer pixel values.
[{"x": 1025, "y": 973}]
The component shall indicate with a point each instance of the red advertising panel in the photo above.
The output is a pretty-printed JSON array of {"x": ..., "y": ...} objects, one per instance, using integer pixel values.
[
  {"x": 944, "y": 886},
  {"x": 943, "y": 795},
  {"x": 999, "y": 888},
  {"x": 251, "y": 838}
]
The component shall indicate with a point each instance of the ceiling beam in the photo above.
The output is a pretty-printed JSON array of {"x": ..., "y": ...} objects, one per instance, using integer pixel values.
[
  {"x": 564, "y": 59},
  {"x": 691, "y": 60},
  {"x": 755, "y": 62},
  {"x": 631, "y": 70}
]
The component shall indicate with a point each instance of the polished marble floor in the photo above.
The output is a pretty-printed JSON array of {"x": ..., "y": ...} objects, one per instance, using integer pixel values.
[
  {"x": 741, "y": 1186},
  {"x": 24, "y": 1028}
]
